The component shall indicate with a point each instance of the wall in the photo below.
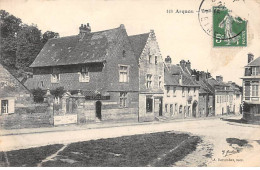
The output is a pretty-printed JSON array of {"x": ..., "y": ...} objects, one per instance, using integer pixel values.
[{"x": 179, "y": 99}]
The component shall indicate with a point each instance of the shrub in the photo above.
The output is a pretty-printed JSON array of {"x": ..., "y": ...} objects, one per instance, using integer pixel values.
[
  {"x": 38, "y": 95},
  {"x": 58, "y": 92}
]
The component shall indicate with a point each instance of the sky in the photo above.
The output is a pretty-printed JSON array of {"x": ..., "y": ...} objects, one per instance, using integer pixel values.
[{"x": 179, "y": 35}]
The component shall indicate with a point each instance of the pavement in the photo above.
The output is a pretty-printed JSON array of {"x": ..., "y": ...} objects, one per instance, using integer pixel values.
[{"x": 213, "y": 131}]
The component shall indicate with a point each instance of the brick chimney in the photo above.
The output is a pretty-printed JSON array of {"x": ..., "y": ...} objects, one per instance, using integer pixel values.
[
  {"x": 168, "y": 61},
  {"x": 188, "y": 65},
  {"x": 219, "y": 78},
  {"x": 250, "y": 57},
  {"x": 183, "y": 64},
  {"x": 84, "y": 30}
]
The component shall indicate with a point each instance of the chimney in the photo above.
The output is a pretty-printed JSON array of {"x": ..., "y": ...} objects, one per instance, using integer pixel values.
[
  {"x": 188, "y": 65},
  {"x": 84, "y": 30},
  {"x": 250, "y": 57},
  {"x": 183, "y": 64},
  {"x": 168, "y": 61},
  {"x": 219, "y": 78}
]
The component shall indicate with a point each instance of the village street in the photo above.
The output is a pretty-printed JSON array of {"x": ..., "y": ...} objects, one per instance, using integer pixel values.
[{"x": 214, "y": 133}]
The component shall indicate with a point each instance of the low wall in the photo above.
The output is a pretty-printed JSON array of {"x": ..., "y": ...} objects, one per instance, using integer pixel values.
[{"x": 18, "y": 121}]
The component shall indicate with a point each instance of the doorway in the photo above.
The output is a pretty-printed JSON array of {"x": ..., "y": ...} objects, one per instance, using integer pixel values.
[
  {"x": 149, "y": 104},
  {"x": 194, "y": 109},
  {"x": 98, "y": 110}
]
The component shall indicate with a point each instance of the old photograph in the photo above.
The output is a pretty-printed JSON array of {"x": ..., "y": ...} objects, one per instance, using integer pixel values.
[{"x": 133, "y": 83}]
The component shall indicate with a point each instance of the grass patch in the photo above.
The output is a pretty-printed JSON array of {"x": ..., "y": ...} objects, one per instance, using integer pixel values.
[
  {"x": 28, "y": 157},
  {"x": 239, "y": 142},
  {"x": 128, "y": 151}
]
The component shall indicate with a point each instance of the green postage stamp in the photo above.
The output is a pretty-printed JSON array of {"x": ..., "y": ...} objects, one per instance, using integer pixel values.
[{"x": 227, "y": 29}]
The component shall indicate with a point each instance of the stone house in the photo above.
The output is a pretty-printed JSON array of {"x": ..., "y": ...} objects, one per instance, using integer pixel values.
[
  {"x": 107, "y": 69},
  {"x": 14, "y": 96},
  {"x": 251, "y": 95},
  {"x": 181, "y": 92}
]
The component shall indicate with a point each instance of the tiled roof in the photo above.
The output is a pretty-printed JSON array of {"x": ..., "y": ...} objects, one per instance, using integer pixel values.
[
  {"x": 172, "y": 76},
  {"x": 255, "y": 62},
  {"x": 138, "y": 42},
  {"x": 93, "y": 47}
]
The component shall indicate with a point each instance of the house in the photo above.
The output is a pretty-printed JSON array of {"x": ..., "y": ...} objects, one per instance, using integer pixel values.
[
  {"x": 223, "y": 96},
  {"x": 117, "y": 74},
  {"x": 150, "y": 76},
  {"x": 13, "y": 94},
  {"x": 181, "y": 92},
  {"x": 237, "y": 97},
  {"x": 206, "y": 95},
  {"x": 251, "y": 95}
]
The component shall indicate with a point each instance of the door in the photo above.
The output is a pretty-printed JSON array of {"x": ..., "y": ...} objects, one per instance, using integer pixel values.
[
  {"x": 160, "y": 107},
  {"x": 149, "y": 105},
  {"x": 98, "y": 110},
  {"x": 4, "y": 106},
  {"x": 194, "y": 109}
]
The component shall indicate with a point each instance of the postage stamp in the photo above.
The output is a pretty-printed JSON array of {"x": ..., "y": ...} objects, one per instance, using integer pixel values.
[{"x": 228, "y": 30}]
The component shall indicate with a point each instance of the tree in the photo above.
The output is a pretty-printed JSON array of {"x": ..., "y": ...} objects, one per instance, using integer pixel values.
[
  {"x": 28, "y": 46},
  {"x": 48, "y": 35},
  {"x": 9, "y": 27}
]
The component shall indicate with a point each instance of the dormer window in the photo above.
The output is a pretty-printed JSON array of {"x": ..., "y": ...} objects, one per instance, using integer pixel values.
[{"x": 84, "y": 74}]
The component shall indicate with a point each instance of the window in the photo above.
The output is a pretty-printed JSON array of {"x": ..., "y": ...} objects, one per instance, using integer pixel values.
[
  {"x": 123, "y": 53},
  {"x": 123, "y": 99},
  {"x": 217, "y": 99},
  {"x": 149, "y": 104},
  {"x": 176, "y": 108},
  {"x": 183, "y": 90},
  {"x": 180, "y": 109},
  {"x": 166, "y": 108},
  {"x": 174, "y": 91},
  {"x": 148, "y": 81},
  {"x": 171, "y": 108},
  {"x": 84, "y": 74},
  {"x": 150, "y": 58},
  {"x": 168, "y": 91},
  {"x": 255, "y": 71},
  {"x": 255, "y": 89},
  {"x": 55, "y": 76},
  {"x": 123, "y": 73},
  {"x": 160, "y": 81},
  {"x": 247, "y": 90},
  {"x": 155, "y": 60},
  {"x": 4, "y": 106}
]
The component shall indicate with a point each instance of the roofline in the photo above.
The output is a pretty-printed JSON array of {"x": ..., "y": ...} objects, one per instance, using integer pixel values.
[{"x": 103, "y": 61}]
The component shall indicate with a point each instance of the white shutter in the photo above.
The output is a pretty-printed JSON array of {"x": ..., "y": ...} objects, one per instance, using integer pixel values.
[{"x": 11, "y": 106}]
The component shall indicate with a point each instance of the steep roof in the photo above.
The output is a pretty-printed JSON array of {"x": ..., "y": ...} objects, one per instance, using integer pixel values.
[
  {"x": 93, "y": 47},
  {"x": 138, "y": 42},
  {"x": 173, "y": 74},
  {"x": 255, "y": 62},
  {"x": 9, "y": 85}
]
